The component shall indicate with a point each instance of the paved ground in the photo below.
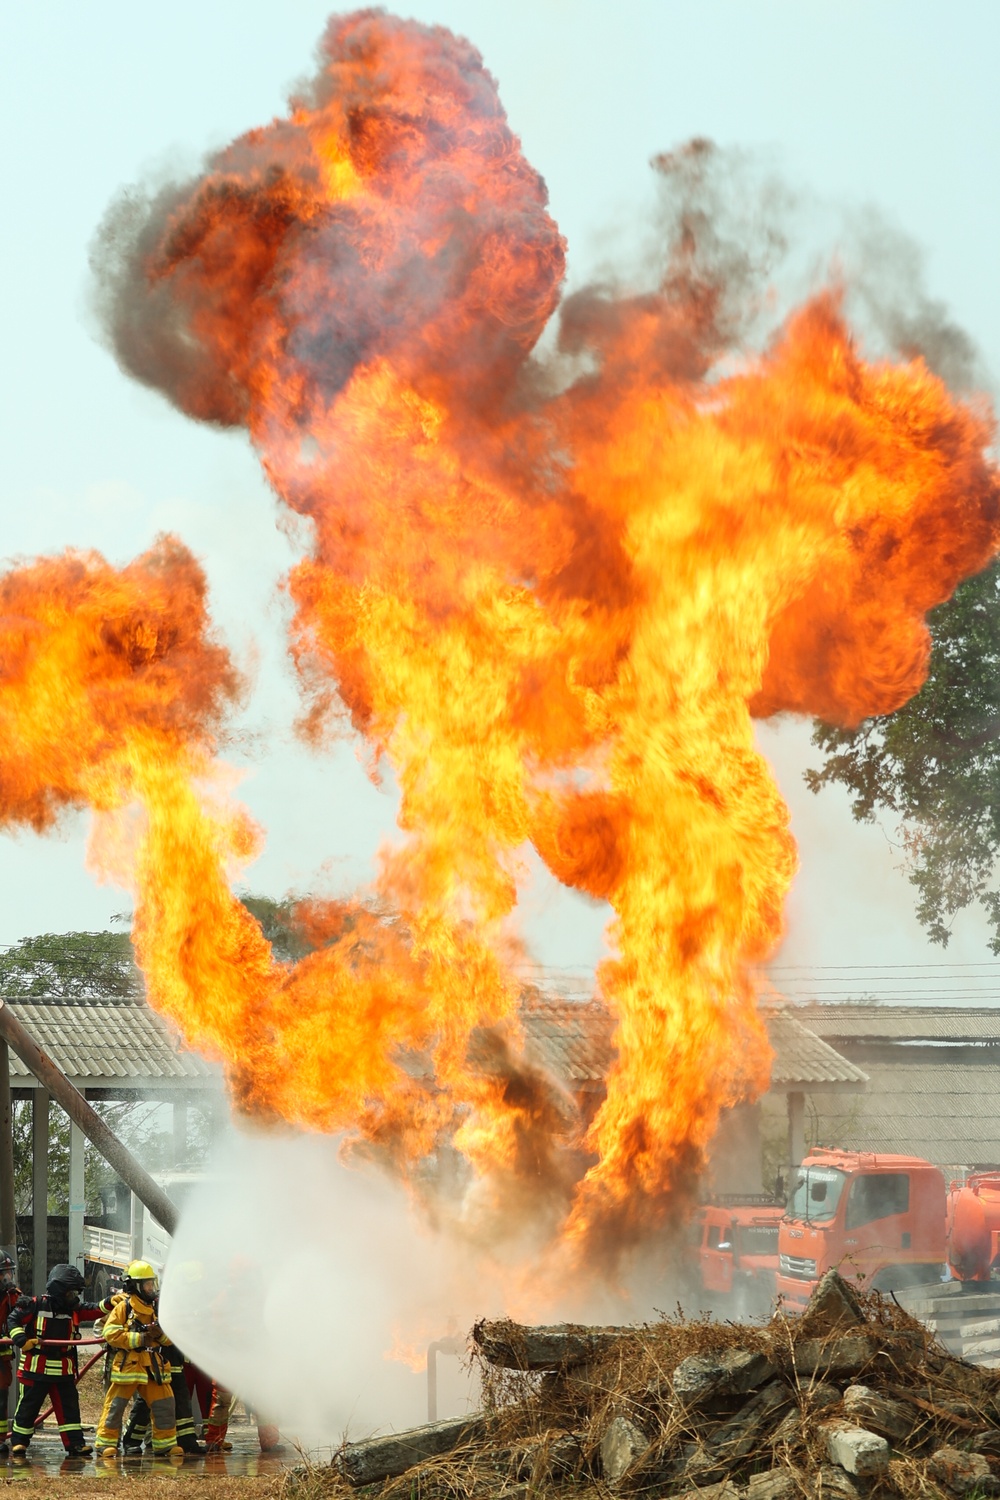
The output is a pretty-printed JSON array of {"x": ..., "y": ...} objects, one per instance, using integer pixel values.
[{"x": 46, "y": 1455}]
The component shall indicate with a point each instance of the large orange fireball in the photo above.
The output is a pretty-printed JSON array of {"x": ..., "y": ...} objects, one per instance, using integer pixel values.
[{"x": 552, "y": 603}]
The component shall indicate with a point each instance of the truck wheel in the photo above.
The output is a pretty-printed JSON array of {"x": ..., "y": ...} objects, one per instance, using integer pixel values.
[{"x": 102, "y": 1284}]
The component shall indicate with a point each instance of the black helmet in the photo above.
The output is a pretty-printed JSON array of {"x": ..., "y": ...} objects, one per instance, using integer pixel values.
[
  {"x": 8, "y": 1270},
  {"x": 63, "y": 1282}
]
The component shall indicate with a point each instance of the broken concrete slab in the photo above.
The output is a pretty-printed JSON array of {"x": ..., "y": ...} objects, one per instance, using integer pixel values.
[
  {"x": 387, "y": 1457},
  {"x": 831, "y": 1483},
  {"x": 724, "y": 1491},
  {"x": 736, "y": 1372},
  {"x": 988, "y": 1347},
  {"x": 557, "y": 1346},
  {"x": 738, "y": 1437},
  {"x": 622, "y": 1445},
  {"x": 832, "y": 1306},
  {"x": 774, "y": 1484},
  {"x": 981, "y": 1328},
  {"x": 961, "y": 1472},
  {"x": 788, "y": 1430},
  {"x": 847, "y": 1355},
  {"x": 893, "y": 1419},
  {"x": 857, "y": 1450},
  {"x": 820, "y": 1395}
]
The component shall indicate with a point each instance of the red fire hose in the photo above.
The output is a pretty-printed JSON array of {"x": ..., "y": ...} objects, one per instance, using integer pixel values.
[
  {"x": 79, "y": 1375},
  {"x": 72, "y": 1344}
]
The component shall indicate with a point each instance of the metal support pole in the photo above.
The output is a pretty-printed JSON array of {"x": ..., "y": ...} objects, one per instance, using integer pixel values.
[
  {"x": 137, "y": 1227},
  {"x": 97, "y": 1132},
  {"x": 8, "y": 1224},
  {"x": 40, "y": 1189},
  {"x": 796, "y": 1134},
  {"x": 450, "y": 1345},
  {"x": 180, "y": 1132},
  {"x": 77, "y": 1202}
]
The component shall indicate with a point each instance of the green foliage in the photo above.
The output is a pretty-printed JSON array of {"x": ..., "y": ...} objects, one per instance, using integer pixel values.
[
  {"x": 934, "y": 765},
  {"x": 58, "y": 1158},
  {"x": 277, "y": 923},
  {"x": 70, "y": 966}
]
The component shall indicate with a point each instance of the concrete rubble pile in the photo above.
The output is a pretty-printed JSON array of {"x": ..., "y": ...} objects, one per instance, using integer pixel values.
[{"x": 853, "y": 1398}]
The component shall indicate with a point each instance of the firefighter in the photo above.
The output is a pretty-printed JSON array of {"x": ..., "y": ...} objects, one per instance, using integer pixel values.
[
  {"x": 139, "y": 1363},
  {"x": 9, "y": 1294},
  {"x": 137, "y": 1428},
  {"x": 218, "y": 1425},
  {"x": 45, "y": 1330}
]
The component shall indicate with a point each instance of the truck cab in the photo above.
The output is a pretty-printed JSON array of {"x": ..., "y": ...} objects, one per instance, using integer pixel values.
[
  {"x": 108, "y": 1251},
  {"x": 878, "y": 1219},
  {"x": 736, "y": 1242}
]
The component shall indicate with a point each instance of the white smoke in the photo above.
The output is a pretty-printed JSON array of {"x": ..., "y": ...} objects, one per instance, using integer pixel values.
[{"x": 292, "y": 1278}]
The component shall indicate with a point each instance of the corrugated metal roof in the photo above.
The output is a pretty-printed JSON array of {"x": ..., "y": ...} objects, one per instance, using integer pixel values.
[
  {"x": 801, "y": 1057},
  {"x": 950, "y": 1115},
  {"x": 569, "y": 1038},
  {"x": 573, "y": 1040},
  {"x": 903, "y": 1022},
  {"x": 107, "y": 1044}
]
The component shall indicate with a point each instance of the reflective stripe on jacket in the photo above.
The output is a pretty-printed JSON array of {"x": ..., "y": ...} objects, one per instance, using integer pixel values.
[
  {"x": 8, "y": 1301},
  {"x": 125, "y": 1331},
  {"x": 34, "y": 1321}
]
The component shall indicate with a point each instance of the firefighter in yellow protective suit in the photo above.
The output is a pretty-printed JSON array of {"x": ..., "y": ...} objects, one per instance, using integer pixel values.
[{"x": 139, "y": 1363}]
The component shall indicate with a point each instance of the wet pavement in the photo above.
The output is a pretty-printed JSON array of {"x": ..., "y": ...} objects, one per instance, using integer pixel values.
[{"x": 46, "y": 1455}]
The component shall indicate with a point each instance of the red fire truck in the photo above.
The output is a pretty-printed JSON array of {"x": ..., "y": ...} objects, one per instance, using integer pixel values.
[
  {"x": 886, "y": 1220},
  {"x": 735, "y": 1245}
]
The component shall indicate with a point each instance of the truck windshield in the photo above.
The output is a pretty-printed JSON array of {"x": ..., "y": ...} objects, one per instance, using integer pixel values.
[
  {"x": 758, "y": 1239},
  {"x": 816, "y": 1193}
]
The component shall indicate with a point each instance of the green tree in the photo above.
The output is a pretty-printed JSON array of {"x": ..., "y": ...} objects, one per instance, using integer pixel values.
[
  {"x": 933, "y": 766},
  {"x": 277, "y": 922},
  {"x": 70, "y": 966}
]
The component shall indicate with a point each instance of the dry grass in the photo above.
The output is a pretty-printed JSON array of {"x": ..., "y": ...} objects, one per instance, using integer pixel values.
[
  {"x": 544, "y": 1432},
  {"x": 40, "y": 1485}
]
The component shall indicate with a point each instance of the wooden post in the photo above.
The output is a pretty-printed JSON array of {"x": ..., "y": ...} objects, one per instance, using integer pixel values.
[
  {"x": 77, "y": 1202},
  {"x": 40, "y": 1189},
  {"x": 8, "y": 1224}
]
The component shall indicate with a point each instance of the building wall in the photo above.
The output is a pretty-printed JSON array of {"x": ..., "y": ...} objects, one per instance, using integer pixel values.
[{"x": 735, "y": 1154}]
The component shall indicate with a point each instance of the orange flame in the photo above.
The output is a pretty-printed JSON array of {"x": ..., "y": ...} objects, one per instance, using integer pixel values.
[{"x": 554, "y": 610}]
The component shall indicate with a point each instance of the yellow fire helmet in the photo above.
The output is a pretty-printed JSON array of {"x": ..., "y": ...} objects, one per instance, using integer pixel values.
[{"x": 139, "y": 1271}]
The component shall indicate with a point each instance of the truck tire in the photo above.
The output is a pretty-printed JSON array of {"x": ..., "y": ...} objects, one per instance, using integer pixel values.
[{"x": 101, "y": 1284}]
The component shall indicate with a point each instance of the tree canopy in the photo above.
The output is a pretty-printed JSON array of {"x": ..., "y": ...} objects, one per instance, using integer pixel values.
[
  {"x": 70, "y": 966},
  {"x": 934, "y": 765}
]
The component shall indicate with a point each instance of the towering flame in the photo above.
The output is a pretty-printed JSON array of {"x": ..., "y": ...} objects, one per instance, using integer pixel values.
[{"x": 553, "y": 603}]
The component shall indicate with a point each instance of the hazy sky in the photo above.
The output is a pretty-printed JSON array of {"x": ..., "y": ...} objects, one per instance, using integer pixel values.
[{"x": 873, "y": 103}]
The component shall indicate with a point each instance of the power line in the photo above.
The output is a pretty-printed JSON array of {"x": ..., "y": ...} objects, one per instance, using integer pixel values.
[{"x": 984, "y": 963}]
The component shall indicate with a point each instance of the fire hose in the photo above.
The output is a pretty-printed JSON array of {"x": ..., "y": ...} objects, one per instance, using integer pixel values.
[
  {"x": 79, "y": 1374},
  {"x": 63, "y": 1344}
]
